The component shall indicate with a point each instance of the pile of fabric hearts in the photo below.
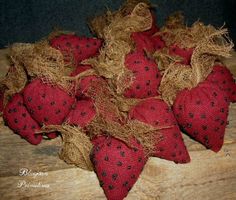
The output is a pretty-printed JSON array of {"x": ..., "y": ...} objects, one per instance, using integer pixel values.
[{"x": 122, "y": 97}]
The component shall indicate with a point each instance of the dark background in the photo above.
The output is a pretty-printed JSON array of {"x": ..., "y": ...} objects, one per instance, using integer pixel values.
[{"x": 30, "y": 20}]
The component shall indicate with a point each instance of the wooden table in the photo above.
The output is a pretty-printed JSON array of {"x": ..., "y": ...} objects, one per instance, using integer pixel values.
[{"x": 209, "y": 176}]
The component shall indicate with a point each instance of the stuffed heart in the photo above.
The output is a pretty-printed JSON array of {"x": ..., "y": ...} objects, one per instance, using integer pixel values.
[
  {"x": 157, "y": 113},
  {"x": 184, "y": 53},
  {"x": 221, "y": 76},
  {"x": 47, "y": 104},
  {"x": 85, "y": 82},
  {"x": 76, "y": 48},
  {"x": 146, "y": 76},
  {"x": 158, "y": 42},
  {"x": 79, "y": 69},
  {"x": 142, "y": 42},
  {"x": 202, "y": 113},
  {"x": 117, "y": 165},
  {"x": 82, "y": 114},
  {"x": 19, "y": 120}
]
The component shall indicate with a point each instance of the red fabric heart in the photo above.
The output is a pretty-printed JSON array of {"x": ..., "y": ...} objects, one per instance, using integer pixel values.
[
  {"x": 147, "y": 43},
  {"x": 51, "y": 135},
  {"x": 158, "y": 42},
  {"x": 19, "y": 120},
  {"x": 85, "y": 82},
  {"x": 142, "y": 42},
  {"x": 76, "y": 47},
  {"x": 222, "y": 77},
  {"x": 186, "y": 54},
  {"x": 202, "y": 113},
  {"x": 147, "y": 77},
  {"x": 117, "y": 165},
  {"x": 47, "y": 104},
  {"x": 157, "y": 113},
  {"x": 80, "y": 68},
  {"x": 82, "y": 114}
]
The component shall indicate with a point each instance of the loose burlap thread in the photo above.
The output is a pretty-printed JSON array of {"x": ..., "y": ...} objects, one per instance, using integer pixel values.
[
  {"x": 176, "y": 32},
  {"x": 208, "y": 50},
  {"x": 110, "y": 62},
  {"x": 13, "y": 82},
  {"x": 146, "y": 134},
  {"x": 111, "y": 121},
  {"x": 164, "y": 59},
  {"x": 99, "y": 23},
  {"x": 76, "y": 145},
  {"x": 40, "y": 60}
]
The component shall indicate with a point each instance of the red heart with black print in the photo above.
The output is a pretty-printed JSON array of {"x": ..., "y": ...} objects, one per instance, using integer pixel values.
[
  {"x": 156, "y": 112},
  {"x": 147, "y": 76},
  {"x": 117, "y": 166},
  {"x": 47, "y": 104},
  {"x": 76, "y": 48},
  {"x": 223, "y": 78},
  {"x": 202, "y": 113},
  {"x": 19, "y": 120},
  {"x": 83, "y": 113},
  {"x": 184, "y": 53},
  {"x": 85, "y": 82}
]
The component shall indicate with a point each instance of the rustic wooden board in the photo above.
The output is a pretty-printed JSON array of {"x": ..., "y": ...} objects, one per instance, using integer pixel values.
[{"x": 209, "y": 176}]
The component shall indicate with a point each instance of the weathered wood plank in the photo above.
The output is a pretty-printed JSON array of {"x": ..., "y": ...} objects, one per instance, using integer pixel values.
[
  {"x": 16, "y": 153},
  {"x": 209, "y": 176}
]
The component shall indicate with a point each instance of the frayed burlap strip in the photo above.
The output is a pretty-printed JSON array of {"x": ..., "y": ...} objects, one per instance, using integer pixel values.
[
  {"x": 173, "y": 32},
  {"x": 76, "y": 145},
  {"x": 110, "y": 62},
  {"x": 13, "y": 82},
  {"x": 77, "y": 79},
  {"x": 129, "y": 6},
  {"x": 111, "y": 121},
  {"x": 189, "y": 37},
  {"x": 103, "y": 94},
  {"x": 146, "y": 134},
  {"x": 164, "y": 59},
  {"x": 174, "y": 26},
  {"x": 99, "y": 23},
  {"x": 216, "y": 46},
  {"x": 174, "y": 21},
  {"x": 125, "y": 104},
  {"x": 209, "y": 49},
  {"x": 40, "y": 60},
  {"x": 105, "y": 102},
  {"x": 176, "y": 32},
  {"x": 68, "y": 54}
]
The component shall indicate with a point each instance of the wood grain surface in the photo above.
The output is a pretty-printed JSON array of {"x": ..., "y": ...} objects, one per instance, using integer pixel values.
[{"x": 209, "y": 176}]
